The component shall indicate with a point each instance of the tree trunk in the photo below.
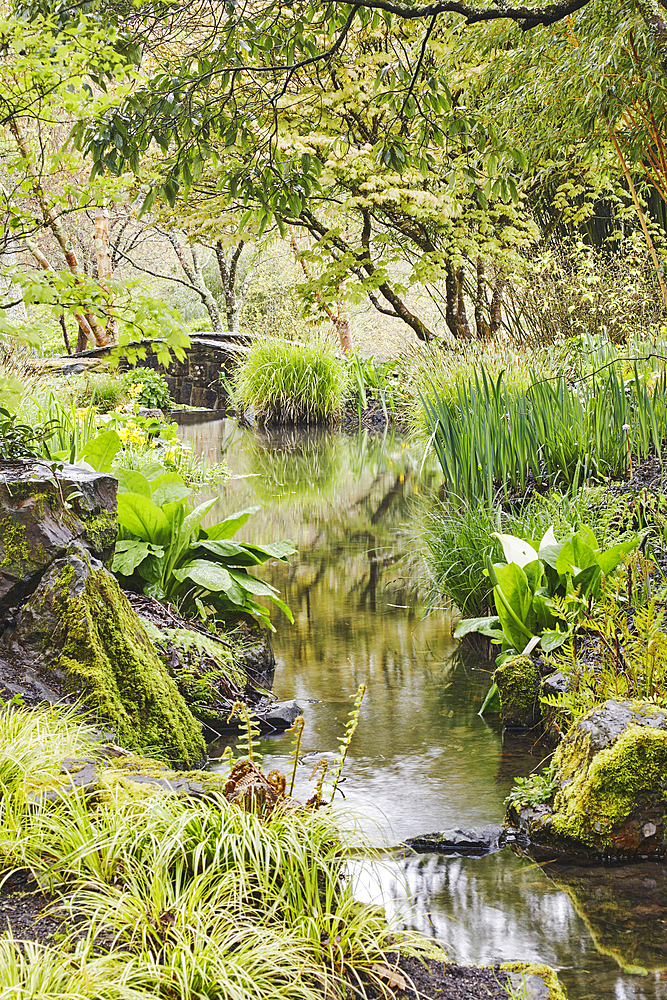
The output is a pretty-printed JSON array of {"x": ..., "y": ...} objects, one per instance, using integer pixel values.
[
  {"x": 85, "y": 332},
  {"x": 194, "y": 274},
  {"x": 455, "y": 309},
  {"x": 98, "y": 335},
  {"x": 11, "y": 295}
]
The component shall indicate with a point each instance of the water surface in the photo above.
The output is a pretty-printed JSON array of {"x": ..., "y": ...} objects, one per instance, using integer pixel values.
[{"x": 422, "y": 759}]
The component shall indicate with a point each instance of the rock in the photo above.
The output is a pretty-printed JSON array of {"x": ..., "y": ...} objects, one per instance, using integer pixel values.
[
  {"x": 531, "y": 981},
  {"x": 77, "y": 637},
  {"x": 555, "y": 684},
  {"x": 279, "y": 716},
  {"x": 518, "y": 682},
  {"x": 610, "y": 777},
  {"x": 36, "y": 527},
  {"x": 475, "y": 842}
]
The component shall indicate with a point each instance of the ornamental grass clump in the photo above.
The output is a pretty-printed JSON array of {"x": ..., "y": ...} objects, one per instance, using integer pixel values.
[{"x": 283, "y": 381}]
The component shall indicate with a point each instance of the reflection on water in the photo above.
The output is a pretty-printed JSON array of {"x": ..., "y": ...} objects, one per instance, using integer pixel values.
[{"x": 422, "y": 759}]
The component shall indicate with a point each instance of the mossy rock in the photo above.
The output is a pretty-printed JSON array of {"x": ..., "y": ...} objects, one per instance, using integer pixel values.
[
  {"x": 36, "y": 527},
  {"x": 610, "y": 788},
  {"x": 80, "y": 634},
  {"x": 518, "y": 682},
  {"x": 534, "y": 981}
]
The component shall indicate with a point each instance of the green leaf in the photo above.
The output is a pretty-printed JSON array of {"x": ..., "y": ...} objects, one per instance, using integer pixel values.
[
  {"x": 141, "y": 517},
  {"x": 101, "y": 451},
  {"x": 169, "y": 492},
  {"x": 205, "y": 574},
  {"x": 484, "y": 626},
  {"x": 130, "y": 481},
  {"x": 575, "y": 555},
  {"x": 250, "y": 583},
  {"x": 514, "y": 604},
  {"x": 553, "y": 640},
  {"x": 194, "y": 518},
  {"x": 128, "y": 555},
  {"x": 230, "y": 525},
  {"x": 492, "y": 701}
]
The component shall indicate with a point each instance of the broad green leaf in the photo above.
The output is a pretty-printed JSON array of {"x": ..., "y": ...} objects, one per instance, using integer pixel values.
[
  {"x": 254, "y": 586},
  {"x": 273, "y": 550},
  {"x": 534, "y": 574},
  {"x": 130, "y": 481},
  {"x": 140, "y": 516},
  {"x": 169, "y": 492},
  {"x": 205, "y": 574},
  {"x": 101, "y": 450},
  {"x": 588, "y": 581},
  {"x": 128, "y": 555},
  {"x": 167, "y": 477},
  {"x": 553, "y": 640},
  {"x": 514, "y": 605},
  {"x": 194, "y": 518},
  {"x": 587, "y": 536},
  {"x": 492, "y": 701},
  {"x": 515, "y": 549},
  {"x": 231, "y": 524},
  {"x": 485, "y": 626},
  {"x": 574, "y": 556}
]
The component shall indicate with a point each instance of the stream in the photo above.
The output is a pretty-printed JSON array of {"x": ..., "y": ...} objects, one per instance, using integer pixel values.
[{"x": 422, "y": 759}]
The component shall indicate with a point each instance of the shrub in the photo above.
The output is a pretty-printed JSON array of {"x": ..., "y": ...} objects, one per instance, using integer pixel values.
[
  {"x": 147, "y": 388},
  {"x": 459, "y": 536},
  {"x": 288, "y": 382}
]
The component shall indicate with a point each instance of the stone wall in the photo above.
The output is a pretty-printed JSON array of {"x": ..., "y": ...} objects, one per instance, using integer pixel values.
[{"x": 196, "y": 380}]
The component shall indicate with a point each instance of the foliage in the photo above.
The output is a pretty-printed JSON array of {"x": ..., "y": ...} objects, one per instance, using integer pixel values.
[
  {"x": 18, "y": 440},
  {"x": 533, "y": 790},
  {"x": 370, "y": 381},
  {"x": 551, "y": 433},
  {"x": 624, "y": 657},
  {"x": 220, "y": 899},
  {"x": 461, "y": 536},
  {"x": 164, "y": 552},
  {"x": 541, "y": 593},
  {"x": 282, "y": 381},
  {"x": 148, "y": 388}
]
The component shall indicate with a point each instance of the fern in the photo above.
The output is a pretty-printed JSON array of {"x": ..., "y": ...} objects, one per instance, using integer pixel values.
[{"x": 350, "y": 729}]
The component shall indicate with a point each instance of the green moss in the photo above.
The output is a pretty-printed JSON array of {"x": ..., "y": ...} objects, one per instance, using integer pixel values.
[
  {"x": 107, "y": 654},
  {"x": 518, "y": 684},
  {"x": 101, "y": 530},
  {"x": 597, "y": 792},
  {"x": 545, "y": 972},
  {"x": 16, "y": 549}
]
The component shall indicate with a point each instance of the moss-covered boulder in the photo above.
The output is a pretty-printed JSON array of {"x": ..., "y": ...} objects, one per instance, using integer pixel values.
[
  {"x": 518, "y": 682},
  {"x": 609, "y": 790},
  {"x": 78, "y": 638},
  {"x": 43, "y": 510}
]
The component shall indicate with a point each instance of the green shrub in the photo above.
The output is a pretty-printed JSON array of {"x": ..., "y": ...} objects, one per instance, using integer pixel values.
[
  {"x": 103, "y": 390},
  {"x": 285, "y": 382},
  {"x": 147, "y": 388}
]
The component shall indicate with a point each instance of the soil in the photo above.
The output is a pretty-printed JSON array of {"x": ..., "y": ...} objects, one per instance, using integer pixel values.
[
  {"x": 26, "y": 911},
  {"x": 433, "y": 980}
]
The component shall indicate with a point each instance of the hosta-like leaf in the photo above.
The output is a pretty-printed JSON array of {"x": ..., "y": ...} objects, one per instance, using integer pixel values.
[
  {"x": 128, "y": 555},
  {"x": 130, "y": 481},
  {"x": 252, "y": 584},
  {"x": 485, "y": 626},
  {"x": 141, "y": 517},
  {"x": 231, "y": 524},
  {"x": 205, "y": 574},
  {"x": 101, "y": 450}
]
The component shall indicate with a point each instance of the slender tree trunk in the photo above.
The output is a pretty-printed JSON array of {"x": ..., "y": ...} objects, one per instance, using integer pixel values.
[
  {"x": 455, "y": 309},
  {"x": 10, "y": 292},
  {"x": 100, "y": 337},
  {"x": 85, "y": 332},
  {"x": 194, "y": 274}
]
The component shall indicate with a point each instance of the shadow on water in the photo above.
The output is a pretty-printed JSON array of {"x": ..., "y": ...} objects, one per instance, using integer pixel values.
[{"x": 422, "y": 759}]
